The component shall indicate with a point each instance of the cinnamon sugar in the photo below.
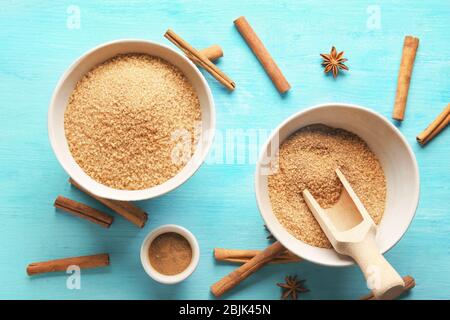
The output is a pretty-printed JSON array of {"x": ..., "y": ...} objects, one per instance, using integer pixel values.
[
  {"x": 308, "y": 159},
  {"x": 121, "y": 117}
]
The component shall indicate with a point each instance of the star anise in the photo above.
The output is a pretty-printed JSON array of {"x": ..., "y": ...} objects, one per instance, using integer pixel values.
[
  {"x": 291, "y": 287},
  {"x": 334, "y": 61},
  {"x": 270, "y": 237}
]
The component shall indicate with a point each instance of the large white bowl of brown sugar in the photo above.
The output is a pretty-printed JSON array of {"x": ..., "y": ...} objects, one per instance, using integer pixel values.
[
  {"x": 131, "y": 120},
  {"x": 303, "y": 153}
]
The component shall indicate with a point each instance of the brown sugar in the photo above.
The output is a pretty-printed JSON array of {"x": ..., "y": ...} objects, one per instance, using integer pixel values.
[
  {"x": 170, "y": 253},
  {"x": 308, "y": 159},
  {"x": 121, "y": 118}
]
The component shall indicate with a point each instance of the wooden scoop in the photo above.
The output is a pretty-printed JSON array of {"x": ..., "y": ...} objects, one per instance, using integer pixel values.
[{"x": 352, "y": 232}]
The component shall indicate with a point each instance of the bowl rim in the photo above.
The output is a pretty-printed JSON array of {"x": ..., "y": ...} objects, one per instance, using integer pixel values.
[
  {"x": 257, "y": 181},
  {"x": 148, "y": 193}
]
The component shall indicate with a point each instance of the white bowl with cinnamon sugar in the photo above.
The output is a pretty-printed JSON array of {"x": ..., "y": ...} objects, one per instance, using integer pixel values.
[
  {"x": 374, "y": 154},
  {"x": 96, "y": 131}
]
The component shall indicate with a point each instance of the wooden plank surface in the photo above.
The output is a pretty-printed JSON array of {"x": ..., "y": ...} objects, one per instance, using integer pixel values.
[{"x": 217, "y": 204}]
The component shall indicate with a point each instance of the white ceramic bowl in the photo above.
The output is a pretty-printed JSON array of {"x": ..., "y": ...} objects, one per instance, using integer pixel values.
[
  {"x": 98, "y": 55},
  {"x": 162, "y": 278},
  {"x": 391, "y": 148}
]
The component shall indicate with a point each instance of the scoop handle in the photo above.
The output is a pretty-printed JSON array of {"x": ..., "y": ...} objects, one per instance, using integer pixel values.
[{"x": 382, "y": 279}]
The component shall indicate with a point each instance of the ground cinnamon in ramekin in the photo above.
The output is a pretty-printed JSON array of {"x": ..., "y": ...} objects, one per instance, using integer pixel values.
[
  {"x": 308, "y": 159},
  {"x": 170, "y": 253}
]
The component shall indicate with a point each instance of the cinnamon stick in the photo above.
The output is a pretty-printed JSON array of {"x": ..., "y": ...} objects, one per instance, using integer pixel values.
[
  {"x": 126, "y": 209},
  {"x": 247, "y": 269},
  {"x": 83, "y": 262},
  {"x": 263, "y": 55},
  {"x": 243, "y": 256},
  {"x": 213, "y": 52},
  {"x": 200, "y": 59},
  {"x": 410, "y": 46},
  {"x": 435, "y": 127},
  {"x": 83, "y": 211},
  {"x": 409, "y": 284}
]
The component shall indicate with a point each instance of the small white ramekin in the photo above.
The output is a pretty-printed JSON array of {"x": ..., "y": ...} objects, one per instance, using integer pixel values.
[
  {"x": 162, "y": 278},
  {"x": 95, "y": 57}
]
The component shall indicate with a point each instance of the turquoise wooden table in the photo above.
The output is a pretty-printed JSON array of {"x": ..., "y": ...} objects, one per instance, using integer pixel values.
[{"x": 39, "y": 40}]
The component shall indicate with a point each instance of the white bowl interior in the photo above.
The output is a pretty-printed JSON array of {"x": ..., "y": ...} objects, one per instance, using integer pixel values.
[
  {"x": 395, "y": 155},
  {"x": 88, "y": 61},
  {"x": 166, "y": 279}
]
